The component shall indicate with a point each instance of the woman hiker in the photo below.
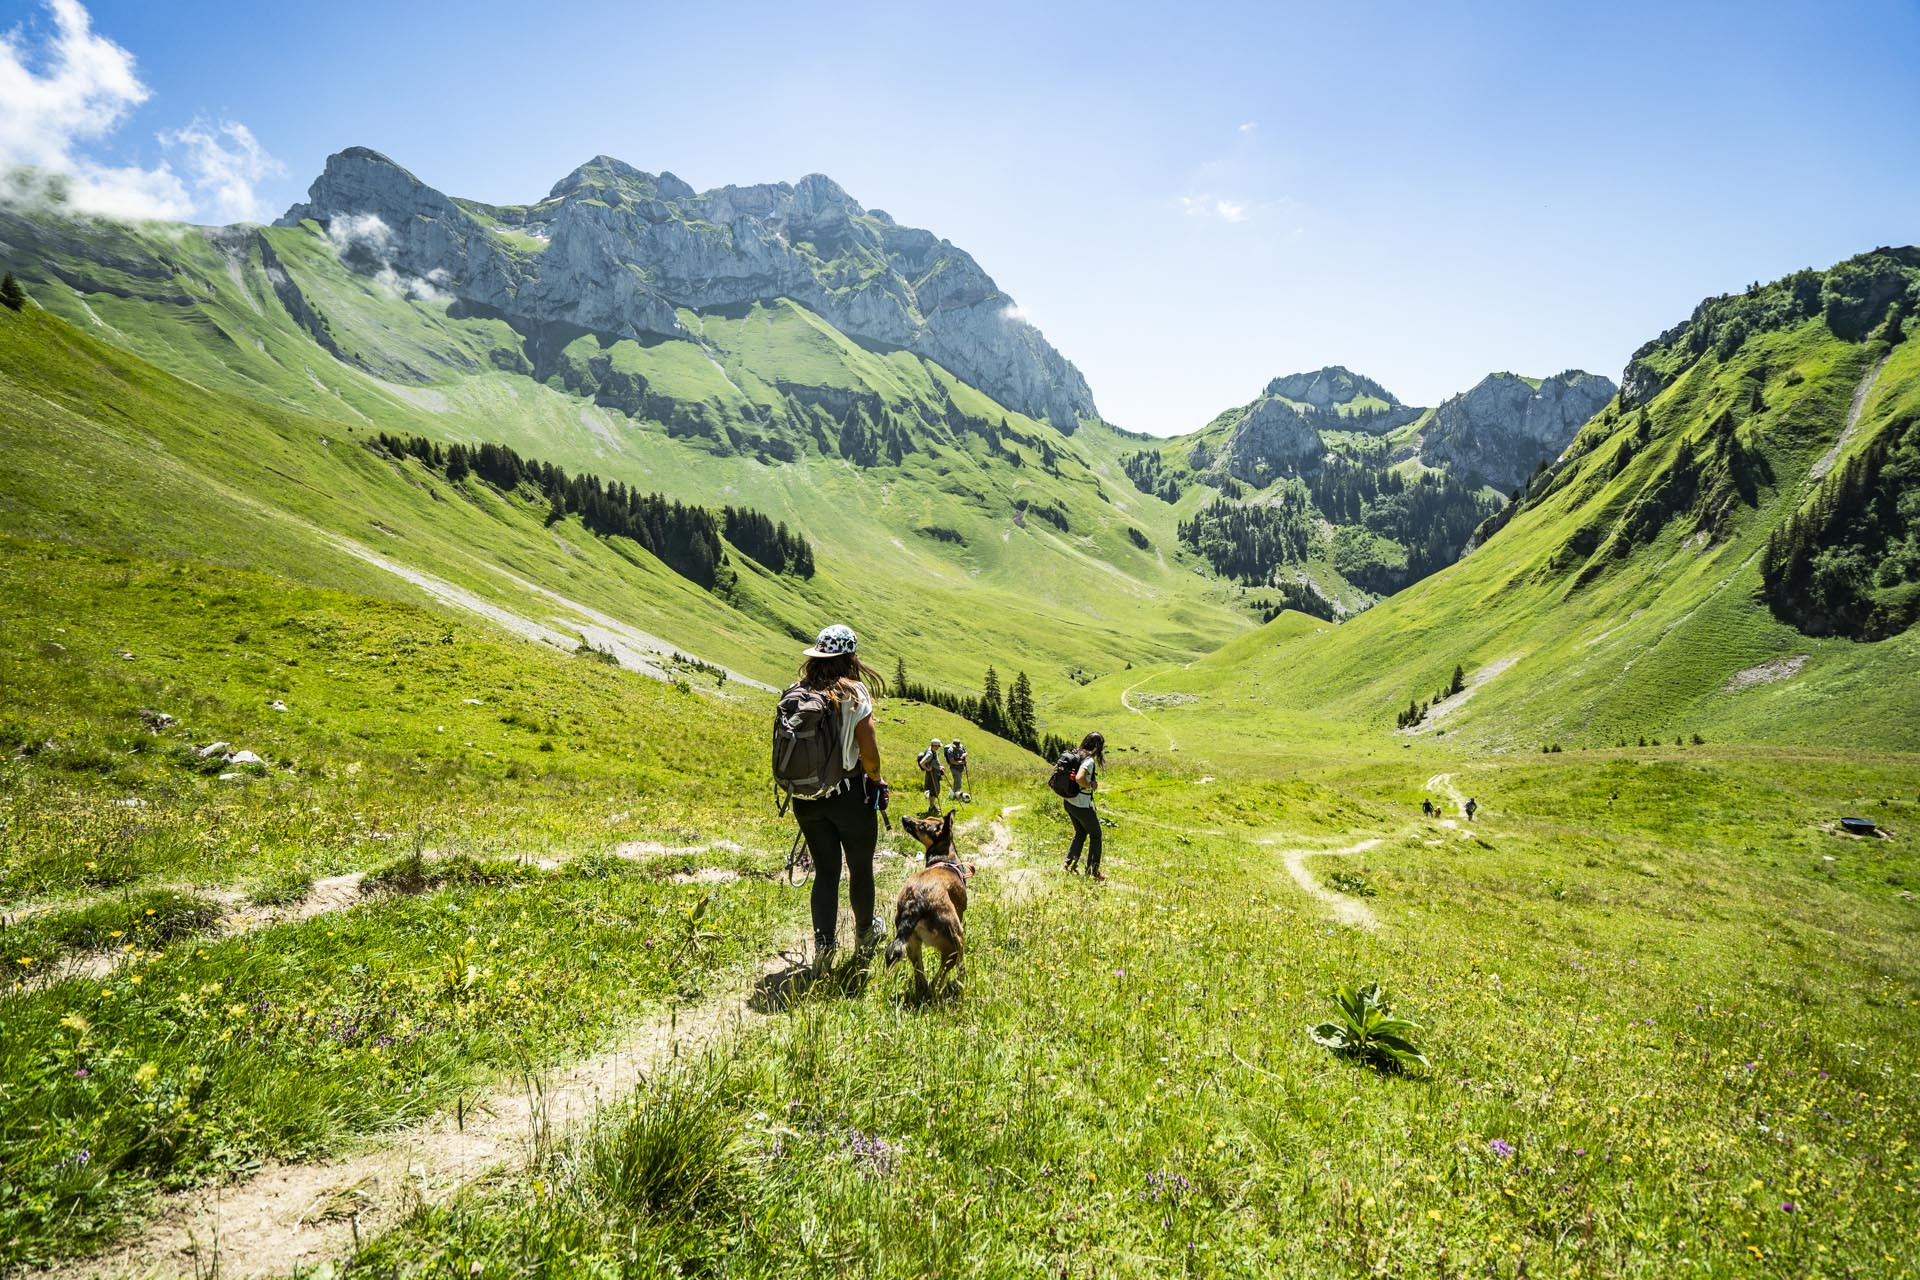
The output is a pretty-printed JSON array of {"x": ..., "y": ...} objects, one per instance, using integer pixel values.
[
  {"x": 1086, "y": 823},
  {"x": 843, "y": 823}
]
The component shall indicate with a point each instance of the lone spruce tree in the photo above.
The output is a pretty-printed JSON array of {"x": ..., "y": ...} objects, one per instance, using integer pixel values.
[{"x": 12, "y": 296}]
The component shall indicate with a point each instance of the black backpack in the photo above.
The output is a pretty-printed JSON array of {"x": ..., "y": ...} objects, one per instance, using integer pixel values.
[
  {"x": 956, "y": 755},
  {"x": 1063, "y": 779},
  {"x": 807, "y": 759}
]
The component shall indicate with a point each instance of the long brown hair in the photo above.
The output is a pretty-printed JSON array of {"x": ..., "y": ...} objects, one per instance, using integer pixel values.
[
  {"x": 1095, "y": 745},
  {"x": 835, "y": 676}
]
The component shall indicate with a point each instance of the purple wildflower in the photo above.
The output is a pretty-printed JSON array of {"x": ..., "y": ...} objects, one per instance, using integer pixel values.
[
  {"x": 1787, "y": 1206},
  {"x": 81, "y": 1074},
  {"x": 874, "y": 1154},
  {"x": 1502, "y": 1148},
  {"x": 1170, "y": 1186}
]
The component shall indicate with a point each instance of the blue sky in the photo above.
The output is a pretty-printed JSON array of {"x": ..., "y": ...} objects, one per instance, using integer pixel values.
[{"x": 1188, "y": 199}]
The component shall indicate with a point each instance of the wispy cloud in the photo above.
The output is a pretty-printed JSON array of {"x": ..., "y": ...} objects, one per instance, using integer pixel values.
[
  {"x": 227, "y": 164},
  {"x": 1249, "y": 126},
  {"x": 1212, "y": 206},
  {"x": 364, "y": 240},
  {"x": 64, "y": 92}
]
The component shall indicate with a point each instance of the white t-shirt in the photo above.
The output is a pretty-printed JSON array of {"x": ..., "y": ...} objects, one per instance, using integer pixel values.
[
  {"x": 851, "y": 713},
  {"x": 1089, "y": 779}
]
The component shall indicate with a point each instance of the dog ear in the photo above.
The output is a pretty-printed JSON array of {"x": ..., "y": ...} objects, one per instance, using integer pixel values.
[{"x": 947, "y": 820}]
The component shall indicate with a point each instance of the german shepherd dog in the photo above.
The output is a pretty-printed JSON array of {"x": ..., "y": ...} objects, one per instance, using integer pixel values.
[{"x": 932, "y": 906}]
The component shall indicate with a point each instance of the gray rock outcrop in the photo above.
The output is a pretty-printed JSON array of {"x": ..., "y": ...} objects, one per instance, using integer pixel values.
[
  {"x": 1503, "y": 427},
  {"x": 1270, "y": 439},
  {"x": 615, "y": 250}
]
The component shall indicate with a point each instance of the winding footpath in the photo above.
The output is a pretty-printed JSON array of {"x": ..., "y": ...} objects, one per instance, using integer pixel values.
[
  {"x": 1346, "y": 909},
  {"x": 298, "y": 1215}
]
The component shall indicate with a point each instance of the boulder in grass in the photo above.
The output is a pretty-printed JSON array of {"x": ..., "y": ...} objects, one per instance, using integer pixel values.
[
  {"x": 212, "y": 749},
  {"x": 244, "y": 757},
  {"x": 276, "y": 705}
]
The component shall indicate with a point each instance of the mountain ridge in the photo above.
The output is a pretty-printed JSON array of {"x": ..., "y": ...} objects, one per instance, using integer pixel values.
[{"x": 616, "y": 250}]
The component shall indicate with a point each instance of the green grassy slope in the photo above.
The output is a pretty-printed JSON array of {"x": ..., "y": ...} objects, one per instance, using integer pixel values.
[
  {"x": 770, "y": 408},
  {"x": 1619, "y": 603}
]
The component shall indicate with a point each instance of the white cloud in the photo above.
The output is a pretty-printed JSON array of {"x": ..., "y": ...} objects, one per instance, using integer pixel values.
[
  {"x": 1249, "y": 126},
  {"x": 1014, "y": 311},
  {"x": 362, "y": 231},
  {"x": 227, "y": 162},
  {"x": 61, "y": 93},
  {"x": 1210, "y": 206},
  {"x": 363, "y": 240}
]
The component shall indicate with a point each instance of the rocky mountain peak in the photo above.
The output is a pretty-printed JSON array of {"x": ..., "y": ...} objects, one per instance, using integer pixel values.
[
  {"x": 1325, "y": 388},
  {"x": 1501, "y": 428},
  {"x": 618, "y": 251}
]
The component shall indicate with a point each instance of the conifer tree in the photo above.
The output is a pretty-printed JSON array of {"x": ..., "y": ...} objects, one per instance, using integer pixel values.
[
  {"x": 12, "y": 296},
  {"x": 1020, "y": 710},
  {"x": 990, "y": 696},
  {"x": 900, "y": 676}
]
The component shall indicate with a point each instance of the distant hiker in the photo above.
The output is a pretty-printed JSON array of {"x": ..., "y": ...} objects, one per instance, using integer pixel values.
[
  {"x": 1426, "y": 806},
  {"x": 826, "y": 759},
  {"x": 933, "y": 769},
  {"x": 957, "y": 764},
  {"x": 1076, "y": 776},
  {"x": 1472, "y": 806}
]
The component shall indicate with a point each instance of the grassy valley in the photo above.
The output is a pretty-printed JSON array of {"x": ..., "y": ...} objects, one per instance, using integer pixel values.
[{"x": 392, "y": 883}]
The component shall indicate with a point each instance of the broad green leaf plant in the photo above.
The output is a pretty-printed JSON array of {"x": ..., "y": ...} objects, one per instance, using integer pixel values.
[{"x": 1367, "y": 1030}]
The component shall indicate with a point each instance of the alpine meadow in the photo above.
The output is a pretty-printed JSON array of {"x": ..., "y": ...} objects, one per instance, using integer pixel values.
[{"x": 1505, "y": 803}]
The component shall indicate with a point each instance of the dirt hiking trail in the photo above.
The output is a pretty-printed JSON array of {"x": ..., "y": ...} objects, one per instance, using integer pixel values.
[
  {"x": 293, "y": 1215},
  {"x": 1347, "y": 910}
]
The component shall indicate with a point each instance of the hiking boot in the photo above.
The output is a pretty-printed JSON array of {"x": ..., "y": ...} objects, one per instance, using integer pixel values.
[
  {"x": 872, "y": 938},
  {"x": 1072, "y": 867},
  {"x": 1101, "y": 876}
]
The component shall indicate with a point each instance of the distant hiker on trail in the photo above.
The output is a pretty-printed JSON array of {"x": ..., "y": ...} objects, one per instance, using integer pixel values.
[
  {"x": 957, "y": 763},
  {"x": 1076, "y": 776},
  {"x": 1473, "y": 806},
  {"x": 933, "y": 767},
  {"x": 1426, "y": 806},
  {"x": 826, "y": 759}
]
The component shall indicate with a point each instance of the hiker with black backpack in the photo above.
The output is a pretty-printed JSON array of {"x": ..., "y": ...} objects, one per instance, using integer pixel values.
[
  {"x": 932, "y": 769},
  {"x": 957, "y": 765},
  {"x": 1076, "y": 776},
  {"x": 826, "y": 763}
]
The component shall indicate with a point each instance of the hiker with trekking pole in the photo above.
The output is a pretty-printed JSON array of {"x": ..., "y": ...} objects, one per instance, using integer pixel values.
[
  {"x": 957, "y": 765},
  {"x": 933, "y": 769},
  {"x": 1075, "y": 777},
  {"x": 826, "y": 764}
]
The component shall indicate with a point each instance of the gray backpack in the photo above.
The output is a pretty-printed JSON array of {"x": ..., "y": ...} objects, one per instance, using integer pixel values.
[{"x": 807, "y": 760}]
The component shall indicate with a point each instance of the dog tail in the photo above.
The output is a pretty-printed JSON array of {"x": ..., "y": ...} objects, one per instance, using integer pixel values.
[{"x": 908, "y": 922}]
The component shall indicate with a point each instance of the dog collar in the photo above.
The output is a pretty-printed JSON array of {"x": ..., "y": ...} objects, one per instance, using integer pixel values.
[{"x": 959, "y": 868}]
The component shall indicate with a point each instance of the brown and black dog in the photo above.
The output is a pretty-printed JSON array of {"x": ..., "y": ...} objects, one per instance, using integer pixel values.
[{"x": 932, "y": 907}]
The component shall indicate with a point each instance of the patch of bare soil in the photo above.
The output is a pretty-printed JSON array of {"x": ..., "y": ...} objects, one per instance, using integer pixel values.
[{"x": 1768, "y": 672}]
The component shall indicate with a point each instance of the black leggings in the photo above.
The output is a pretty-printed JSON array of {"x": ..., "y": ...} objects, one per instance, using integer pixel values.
[
  {"x": 1086, "y": 828},
  {"x": 840, "y": 825}
]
